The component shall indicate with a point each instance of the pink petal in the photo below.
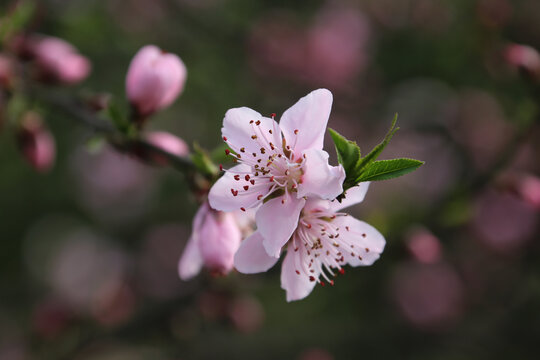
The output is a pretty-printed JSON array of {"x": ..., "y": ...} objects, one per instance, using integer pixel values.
[
  {"x": 191, "y": 261},
  {"x": 297, "y": 286},
  {"x": 240, "y": 130},
  {"x": 221, "y": 197},
  {"x": 219, "y": 240},
  {"x": 368, "y": 241},
  {"x": 251, "y": 257},
  {"x": 353, "y": 196},
  {"x": 277, "y": 220},
  {"x": 309, "y": 116},
  {"x": 320, "y": 179},
  {"x": 176, "y": 72}
]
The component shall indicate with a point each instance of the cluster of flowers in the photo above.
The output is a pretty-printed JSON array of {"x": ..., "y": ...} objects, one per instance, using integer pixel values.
[
  {"x": 283, "y": 179},
  {"x": 154, "y": 80}
]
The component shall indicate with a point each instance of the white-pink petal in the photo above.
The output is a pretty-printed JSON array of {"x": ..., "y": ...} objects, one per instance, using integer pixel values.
[
  {"x": 319, "y": 178},
  {"x": 353, "y": 196},
  {"x": 309, "y": 116},
  {"x": 221, "y": 197},
  {"x": 240, "y": 127},
  {"x": 297, "y": 286},
  {"x": 191, "y": 261},
  {"x": 368, "y": 242},
  {"x": 252, "y": 257},
  {"x": 276, "y": 220}
]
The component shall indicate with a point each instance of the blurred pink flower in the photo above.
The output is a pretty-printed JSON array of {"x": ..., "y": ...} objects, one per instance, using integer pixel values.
[
  {"x": 529, "y": 189},
  {"x": 215, "y": 237},
  {"x": 154, "y": 79},
  {"x": 524, "y": 57},
  {"x": 286, "y": 157},
  {"x": 424, "y": 246},
  {"x": 164, "y": 141},
  {"x": 428, "y": 296},
  {"x": 503, "y": 221},
  {"x": 36, "y": 142},
  {"x": 246, "y": 314},
  {"x": 323, "y": 241},
  {"x": 331, "y": 52},
  {"x": 57, "y": 60}
]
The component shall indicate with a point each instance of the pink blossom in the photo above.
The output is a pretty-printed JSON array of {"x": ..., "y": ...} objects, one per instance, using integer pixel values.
[
  {"x": 164, "y": 141},
  {"x": 58, "y": 60},
  {"x": 36, "y": 142},
  {"x": 154, "y": 79},
  {"x": 523, "y": 57},
  {"x": 324, "y": 240},
  {"x": 282, "y": 163},
  {"x": 215, "y": 237},
  {"x": 424, "y": 246}
]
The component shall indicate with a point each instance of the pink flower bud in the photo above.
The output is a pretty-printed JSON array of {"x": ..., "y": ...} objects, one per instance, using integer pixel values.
[
  {"x": 36, "y": 142},
  {"x": 154, "y": 80},
  {"x": 214, "y": 240},
  {"x": 58, "y": 61},
  {"x": 523, "y": 57},
  {"x": 168, "y": 142}
]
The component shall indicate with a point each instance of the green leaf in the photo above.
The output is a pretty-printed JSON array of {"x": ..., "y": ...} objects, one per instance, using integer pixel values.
[
  {"x": 17, "y": 19},
  {"x": 374, "y": 154},
  {"x": 117, "y": 116},
  {"x": 388, "y": 169},
  {"x": 348, "y": 152}
]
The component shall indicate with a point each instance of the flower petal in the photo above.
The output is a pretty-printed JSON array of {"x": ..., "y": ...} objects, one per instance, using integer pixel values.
[
  {"x": 309, "y": 116},
  {"x": 191, "y": 261},
  {"x": 353, "y": 196},
  {"x": 276, "y": 221},
  {"x": 221, "y": 197},
  {"x": 246, "y": 128},
  {"x": 368, "y": 242},
  {"x": 319, "y": 178},
  {"x": 251, "y": 257},
  {"x": 296, "y": 284}
]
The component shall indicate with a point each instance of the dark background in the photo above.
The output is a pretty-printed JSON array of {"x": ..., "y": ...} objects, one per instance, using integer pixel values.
[{"x": 88, "y": 252}]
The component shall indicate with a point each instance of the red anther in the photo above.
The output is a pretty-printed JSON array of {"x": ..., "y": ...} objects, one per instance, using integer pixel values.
[
  {"x": 254, "y": 137},
  {"x": 332, "y": 282},
  {"x": 252, "y": 182},
  {"x": 259, "y": 197},
  {"x": 295, "y": 131},
  {"x": 270, "y": 131},
  {"x": 246, "y": 187},
  {"x": 347, "y": 228},
  {"x": 224, "y": 138},
  {"x": 293, "y": 186},
  {"x": 251, "y": 121},
  {"x": 309, "y": 226},
  {"x": 246, "y": 177},
  {"x": 258, "y": 122},
  {"x": 234, "y": 192},
  {"x": 227, "y": 151},
  {"x": 311, "y": 278},
  {"x": 220, "y": 167},
  {"x": 367, "y": 249},
  {"x": 242, "y": 149},
  {"x": 273, "y": 115},
  {"x": 298, "y": 272},
  {"x": 342, "y": 271},
  {"x": 243, "y": 209},
  {"x": 363, "y": 235},
  {"x": 283, "y": 201},
  {"x": 236, "y": 177},
  {"x": 322, "y": 283},
  {"x": 271, "y": 179}
]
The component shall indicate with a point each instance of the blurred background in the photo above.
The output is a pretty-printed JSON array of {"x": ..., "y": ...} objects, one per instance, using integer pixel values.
[{"x": 88, "y": 251}]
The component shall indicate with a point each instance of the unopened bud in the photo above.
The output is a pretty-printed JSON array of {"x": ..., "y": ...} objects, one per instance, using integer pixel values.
[
  {"x": 524, "y": 58},
  {"x": 36, "y": 142}
]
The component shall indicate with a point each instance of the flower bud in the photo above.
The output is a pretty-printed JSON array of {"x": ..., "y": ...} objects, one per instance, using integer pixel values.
[
  {"x": 214, "y": 240},
  {"x": 36, "y": 142},
  {"x": 524, "y": 58},
  {"x": 154, "y": 80},
  {"x": 57, "y": 60},
  {"x": 167, "y": 142}
]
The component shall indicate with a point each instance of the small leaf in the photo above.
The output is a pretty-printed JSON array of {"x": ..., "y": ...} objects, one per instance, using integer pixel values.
[
  {"x": 117, "y": 117},
  {"x": 388, "y": 169},
  {"x": 348, "y": 152},
  {"x": 374, "y": 154}
]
